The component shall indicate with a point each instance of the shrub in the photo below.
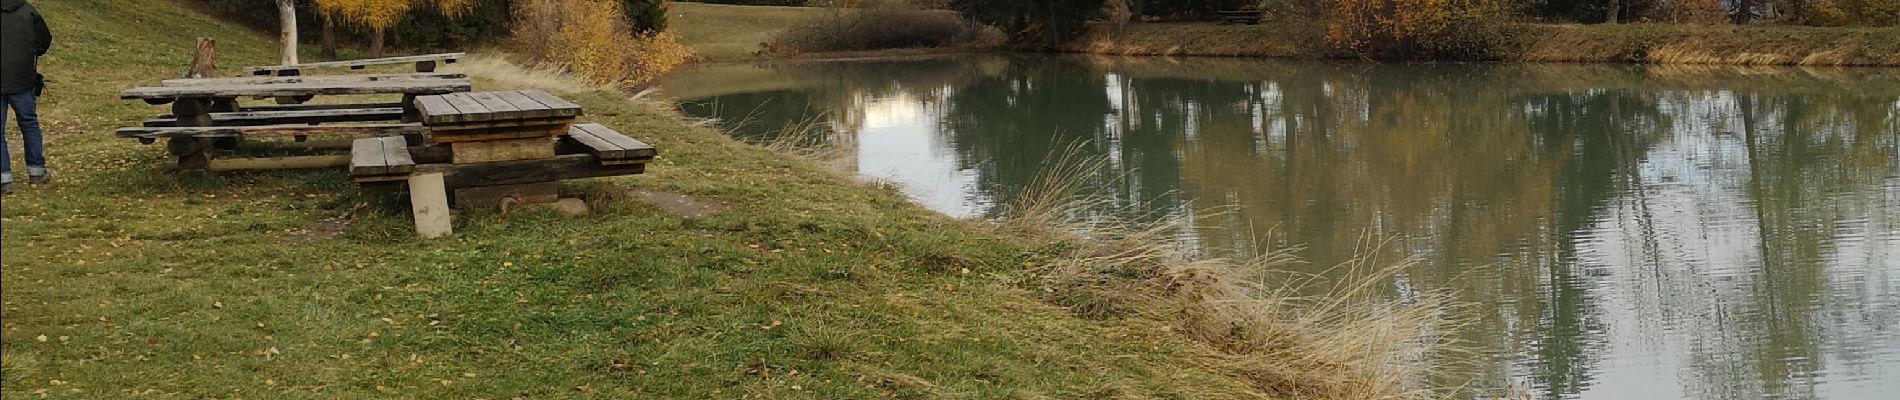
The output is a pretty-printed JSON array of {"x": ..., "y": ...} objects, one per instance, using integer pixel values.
[
  {"x": 1047, "y": 23},
  {"x": 593, "y": 39},
  {"x": 1412, "y": 29},
  {"x": 884, "y": 27}
]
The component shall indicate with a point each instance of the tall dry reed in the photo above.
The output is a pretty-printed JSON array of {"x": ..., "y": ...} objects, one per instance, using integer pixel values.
[{"x": 1294, "y": 336}]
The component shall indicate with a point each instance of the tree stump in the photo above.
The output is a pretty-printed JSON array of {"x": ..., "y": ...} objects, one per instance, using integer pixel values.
[{"x": 204, "y": 62}]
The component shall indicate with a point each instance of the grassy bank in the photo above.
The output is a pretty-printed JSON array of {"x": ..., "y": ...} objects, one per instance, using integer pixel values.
[
  {"x": 121, "y": 280},
  {"x": 725, "y": 32},
  {"x": 1639, "y": 43}
]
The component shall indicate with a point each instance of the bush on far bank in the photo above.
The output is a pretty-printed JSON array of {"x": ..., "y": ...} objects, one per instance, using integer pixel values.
[{"x": 890, "y": 25}]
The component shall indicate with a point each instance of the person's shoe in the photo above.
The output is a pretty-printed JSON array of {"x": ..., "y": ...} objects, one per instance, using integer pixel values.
[
  {"x": 43, "y": 178},
  {"x": 6, "y": 188}
]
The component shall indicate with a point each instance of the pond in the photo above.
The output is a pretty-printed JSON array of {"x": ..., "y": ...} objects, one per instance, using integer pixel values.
[{"x": 1621, "y": 232}]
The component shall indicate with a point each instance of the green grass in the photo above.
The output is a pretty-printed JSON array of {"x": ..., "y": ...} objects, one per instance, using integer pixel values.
[
  {"x": 723, "y": 32},
  {"x": 121, "y": 280}
]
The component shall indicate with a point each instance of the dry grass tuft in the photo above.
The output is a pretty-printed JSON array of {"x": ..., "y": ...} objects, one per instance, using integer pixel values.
[
  {"x": 510, "y": 74},
  {"x": 1293, "y": 336}
]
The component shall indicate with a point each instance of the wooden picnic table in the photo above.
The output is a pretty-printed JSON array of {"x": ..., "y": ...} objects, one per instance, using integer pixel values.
[
  {"x": 200, "y": 104},
  {"x": 490, "y": 146},
  {"x": 424, "y": 63}
]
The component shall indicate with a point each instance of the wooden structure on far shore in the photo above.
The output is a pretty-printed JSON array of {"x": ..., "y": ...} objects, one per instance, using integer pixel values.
[{"x": 1249, "y": 17}]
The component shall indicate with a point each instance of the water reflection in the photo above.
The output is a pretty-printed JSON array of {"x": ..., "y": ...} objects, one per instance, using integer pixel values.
[{"x": 1629, "y": 233}]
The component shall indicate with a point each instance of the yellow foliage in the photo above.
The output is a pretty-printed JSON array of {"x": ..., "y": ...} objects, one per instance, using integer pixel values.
[
  {"x": 593, "y": 39},
  {"x": 1853, "y": 12},
  {"x": 1411, "y": 28},
  {"x": 385, "y": 13}
]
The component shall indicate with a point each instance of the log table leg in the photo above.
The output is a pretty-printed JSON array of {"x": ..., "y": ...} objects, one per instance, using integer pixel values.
[
  {"x": 225, "y": 105},
  {"x": 192, "y": 153},
  {"x": 410, "y": 113}
]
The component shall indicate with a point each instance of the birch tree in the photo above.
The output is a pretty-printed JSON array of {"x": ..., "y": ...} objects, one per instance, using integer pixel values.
[{"x": 287, "y": 30}]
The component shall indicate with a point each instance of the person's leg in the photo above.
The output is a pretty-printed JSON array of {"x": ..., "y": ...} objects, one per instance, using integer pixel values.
[
  {"x": 30, "y": 136},
  {"x": 6, "y": 155}
]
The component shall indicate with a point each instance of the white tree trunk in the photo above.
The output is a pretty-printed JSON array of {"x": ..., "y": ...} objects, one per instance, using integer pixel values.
[{"x": 287, "y": 22}]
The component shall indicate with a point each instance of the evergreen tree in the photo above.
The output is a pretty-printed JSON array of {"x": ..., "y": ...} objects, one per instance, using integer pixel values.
[{"x": 646, "y": 16}]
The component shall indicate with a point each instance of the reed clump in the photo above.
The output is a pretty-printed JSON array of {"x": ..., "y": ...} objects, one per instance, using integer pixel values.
[{"x": 1291, "y": 335}]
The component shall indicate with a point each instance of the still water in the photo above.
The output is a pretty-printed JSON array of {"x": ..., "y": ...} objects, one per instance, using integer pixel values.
[{"x": 1625, "y": 232}]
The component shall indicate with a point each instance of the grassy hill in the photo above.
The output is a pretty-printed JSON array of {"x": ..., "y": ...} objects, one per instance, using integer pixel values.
[
  {"x": 122, "y": 280},
  {"x": 725, "y": 32}
]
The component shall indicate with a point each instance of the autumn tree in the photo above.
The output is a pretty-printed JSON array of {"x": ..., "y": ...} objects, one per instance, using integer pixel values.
[{"x": 379, "y": 15}]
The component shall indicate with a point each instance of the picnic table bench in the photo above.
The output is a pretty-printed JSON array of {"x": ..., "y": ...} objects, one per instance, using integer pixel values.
[
  {"x": 1249, "y": 17},
  {"x": 424, "y": 63},
  {"x": 206, "y": 114}
]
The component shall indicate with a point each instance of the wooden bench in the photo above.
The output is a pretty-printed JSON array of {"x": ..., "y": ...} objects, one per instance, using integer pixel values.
[
  {"x": 424, "y": 63},
  {"x": 1242, "y": 17},
  {"x": 380, "y": 159},
  {"x": 608, "y": 146},
  {"x": 147, "y": 134},
  {"x": 307, "y": 116},
  {"x": 167, "y": 94}
]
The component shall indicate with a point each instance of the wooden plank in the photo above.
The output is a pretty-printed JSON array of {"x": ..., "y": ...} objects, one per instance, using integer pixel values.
[
  {"x": 247, "y": 118},
  {"x": 502, "y": 150},
  {"x": 429, "y": 201},
  {"x": 440, "y": 136},
  {"x": 358, "y": 64},
  {"x": 277, "y": 163},
  {"x": 497, "y": 108},
  {"x": 562, "y": 123},
  {"x": 279, "y": 80},
  {"x": 433, "y": 86},
  {"x": 468, "y": 109},
  {"x": 272, "y": 130},
  {"x": 530, "y": 109},
  {"x": 559, "y": 168},
  {"x": 367, "y": 157},
  {"x": 396, "y": 155},
  {"x": 311, "y": 107},
  {"x": 595, "y": 145},
  {"x": 436, "y": 110},
  {"x": 560, "y": 107},
  {"x": 634, "y": 148}
]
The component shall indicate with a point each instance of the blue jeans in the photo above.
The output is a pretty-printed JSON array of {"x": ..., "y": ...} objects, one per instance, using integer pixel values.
[{"x": 23, "y": 107}]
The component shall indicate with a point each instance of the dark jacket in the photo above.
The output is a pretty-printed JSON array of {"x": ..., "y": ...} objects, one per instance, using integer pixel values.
[{"x": 23, "y": 39}]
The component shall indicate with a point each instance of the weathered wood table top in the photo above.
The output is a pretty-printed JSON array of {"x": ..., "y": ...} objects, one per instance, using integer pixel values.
[
  {"x": 357, "y": 64},
  {"x": 278, "y": 80},
  {"x": 305, "y": 88},
  {"x": 457, "y": 108}
]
